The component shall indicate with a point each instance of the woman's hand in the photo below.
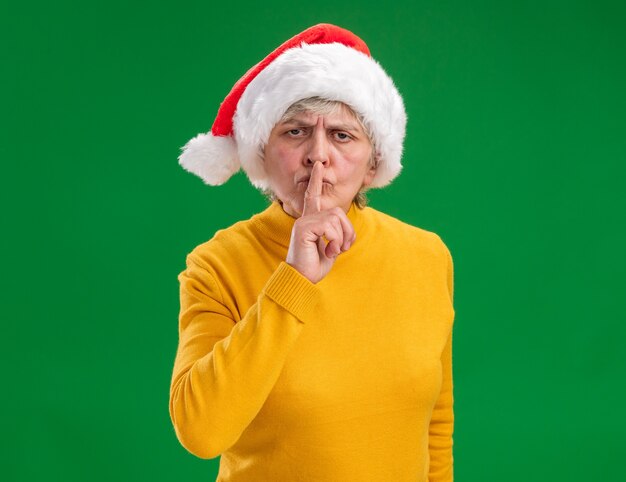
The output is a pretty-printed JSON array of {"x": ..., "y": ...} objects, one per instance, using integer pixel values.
[{"x": 308, "y": 251}]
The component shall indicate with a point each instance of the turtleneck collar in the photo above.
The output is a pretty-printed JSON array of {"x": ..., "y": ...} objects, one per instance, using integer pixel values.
[{"x": 277, "y": 224}]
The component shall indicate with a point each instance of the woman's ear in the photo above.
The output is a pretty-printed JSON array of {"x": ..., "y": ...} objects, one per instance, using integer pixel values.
[{"x": 371, "y": 172}]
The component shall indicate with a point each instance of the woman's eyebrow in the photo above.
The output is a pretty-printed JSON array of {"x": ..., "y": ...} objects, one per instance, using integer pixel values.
[{"x": 303, "y": 123}]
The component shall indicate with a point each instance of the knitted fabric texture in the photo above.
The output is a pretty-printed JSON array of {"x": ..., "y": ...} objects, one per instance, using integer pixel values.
[{"x": 346, "y": 379}]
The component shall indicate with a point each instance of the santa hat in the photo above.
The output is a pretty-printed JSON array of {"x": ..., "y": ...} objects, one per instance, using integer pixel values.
[{"x": 324, "y": 61}]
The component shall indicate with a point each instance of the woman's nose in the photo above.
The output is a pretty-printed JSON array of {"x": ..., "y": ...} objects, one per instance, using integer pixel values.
[{"x": 318, "y": 148}]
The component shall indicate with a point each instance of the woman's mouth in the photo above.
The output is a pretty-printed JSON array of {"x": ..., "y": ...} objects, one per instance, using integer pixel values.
[{"x": 306, "y": 182}]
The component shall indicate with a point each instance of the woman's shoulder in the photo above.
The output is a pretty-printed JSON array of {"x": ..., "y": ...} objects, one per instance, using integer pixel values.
[
  {"x": 393, "y": 224},
  {"x": 224, "y": 244},
  {"x": 398, "y": 230}
]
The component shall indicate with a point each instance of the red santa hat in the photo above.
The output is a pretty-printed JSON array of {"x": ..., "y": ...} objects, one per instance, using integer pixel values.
[{"x": 324, "y": 61}]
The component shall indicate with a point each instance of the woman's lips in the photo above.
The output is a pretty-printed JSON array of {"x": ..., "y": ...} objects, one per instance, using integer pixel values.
[
  {"x": 306, "y": 181},
  {"x": 305, "y": 184}
]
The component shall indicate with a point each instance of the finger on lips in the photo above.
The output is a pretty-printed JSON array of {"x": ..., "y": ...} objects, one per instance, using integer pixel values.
[
  {"x": 340, "y": 235},
  {"x": 312, "y": 196}
]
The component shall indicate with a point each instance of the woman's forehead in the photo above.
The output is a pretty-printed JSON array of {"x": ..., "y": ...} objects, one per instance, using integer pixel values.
[{"x": 342, "y": 117}]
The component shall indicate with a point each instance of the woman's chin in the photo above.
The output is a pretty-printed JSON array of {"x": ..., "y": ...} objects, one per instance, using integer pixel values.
[{"x": 295, "y": 206}]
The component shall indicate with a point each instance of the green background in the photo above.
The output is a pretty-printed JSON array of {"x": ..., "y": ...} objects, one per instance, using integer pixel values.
[{"x": 514, "y": 155}]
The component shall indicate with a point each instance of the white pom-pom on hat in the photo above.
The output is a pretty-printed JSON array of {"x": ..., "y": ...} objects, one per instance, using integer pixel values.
[{"x": 213, "y": 159}]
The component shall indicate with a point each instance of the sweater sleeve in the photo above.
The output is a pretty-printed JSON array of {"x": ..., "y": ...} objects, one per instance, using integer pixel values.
[
  {"x": 224, "y": 370},
  {"x": 442, "y": 422}
]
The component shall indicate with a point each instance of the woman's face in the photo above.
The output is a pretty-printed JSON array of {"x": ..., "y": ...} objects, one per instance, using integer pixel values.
[{"x": 336, "y": 140}]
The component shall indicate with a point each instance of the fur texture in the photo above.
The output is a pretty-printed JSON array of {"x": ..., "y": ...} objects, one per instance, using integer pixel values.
[{"x": 213, "y": 159}]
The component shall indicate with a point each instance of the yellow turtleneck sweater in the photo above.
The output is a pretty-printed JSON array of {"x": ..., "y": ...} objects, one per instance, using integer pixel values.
[{"x": 349, "y": 379}]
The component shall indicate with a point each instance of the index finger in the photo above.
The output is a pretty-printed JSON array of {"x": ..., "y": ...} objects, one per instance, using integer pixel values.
[{"x": 313, "y": 194}]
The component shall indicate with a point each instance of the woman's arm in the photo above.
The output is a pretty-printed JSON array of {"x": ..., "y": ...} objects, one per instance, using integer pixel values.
[
  {"x": 224, "y": 370},
  {"x": 442, "y": 422}
]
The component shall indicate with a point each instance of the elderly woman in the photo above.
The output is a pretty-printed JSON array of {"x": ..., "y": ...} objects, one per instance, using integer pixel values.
[{"x": 315, "y": 338}]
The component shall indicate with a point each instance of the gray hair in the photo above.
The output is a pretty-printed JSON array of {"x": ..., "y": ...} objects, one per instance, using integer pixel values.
[{"x": 322, "y": 106}]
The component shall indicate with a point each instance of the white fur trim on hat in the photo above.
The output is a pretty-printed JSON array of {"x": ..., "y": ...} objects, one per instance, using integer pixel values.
[{"x": 332, "y": 71}]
